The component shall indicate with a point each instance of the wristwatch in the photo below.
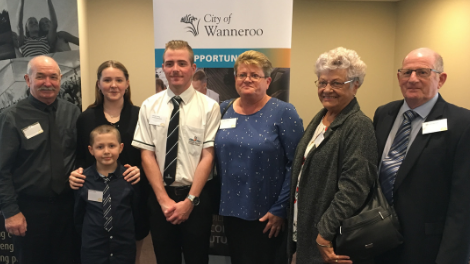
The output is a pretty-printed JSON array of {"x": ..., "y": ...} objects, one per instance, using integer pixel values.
[{"x": 195, "y": 200}]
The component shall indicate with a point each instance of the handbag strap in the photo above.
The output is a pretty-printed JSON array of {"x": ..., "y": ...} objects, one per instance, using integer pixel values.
[{"x": 227, "y": 107}]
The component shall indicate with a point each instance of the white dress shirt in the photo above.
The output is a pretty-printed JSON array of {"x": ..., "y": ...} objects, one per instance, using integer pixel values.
[
  {"x": 422, "y": 111},
  {"x": 199, "y": 121}
]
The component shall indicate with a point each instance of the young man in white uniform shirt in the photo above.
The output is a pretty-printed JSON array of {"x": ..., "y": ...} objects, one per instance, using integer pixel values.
[{"x": 181, "y": 216}]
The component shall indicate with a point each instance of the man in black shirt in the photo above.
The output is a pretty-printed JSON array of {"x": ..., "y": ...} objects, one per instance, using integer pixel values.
[{"x": 37, "y": 142}]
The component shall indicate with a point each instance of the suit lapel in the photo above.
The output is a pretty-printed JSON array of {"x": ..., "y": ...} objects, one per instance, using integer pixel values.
[{"x": 419, "y": 143}]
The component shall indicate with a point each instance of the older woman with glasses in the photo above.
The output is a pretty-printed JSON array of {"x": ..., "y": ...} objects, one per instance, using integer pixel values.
[
  {"x": 335, "y": 162},
  {"x": 255, "y": 148}
]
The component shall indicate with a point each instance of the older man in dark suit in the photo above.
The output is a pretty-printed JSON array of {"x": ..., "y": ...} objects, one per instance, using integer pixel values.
[{"x": 424, "y": 169}]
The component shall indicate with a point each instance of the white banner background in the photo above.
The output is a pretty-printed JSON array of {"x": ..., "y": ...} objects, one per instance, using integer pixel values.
[
  {"x": 274, "y": 18},
  {"x": 218, "y": 31}
]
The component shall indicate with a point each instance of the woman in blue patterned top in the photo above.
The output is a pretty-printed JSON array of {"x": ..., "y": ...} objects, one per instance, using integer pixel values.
[{"x": 255, "y": 147}]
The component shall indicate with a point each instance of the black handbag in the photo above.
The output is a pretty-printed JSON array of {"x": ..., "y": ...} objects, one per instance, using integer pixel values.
[
  {"x": 372, "y": 231},
  {"x": 374, "y": 228}
]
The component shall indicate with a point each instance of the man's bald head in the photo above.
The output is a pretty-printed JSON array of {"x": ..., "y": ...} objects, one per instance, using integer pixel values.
[
  {"x": 39, "y": 59},
  {"x": 421, "y": 76},
  {"x": 43, "y": 78},
  {"x": 422, "y": 52}
]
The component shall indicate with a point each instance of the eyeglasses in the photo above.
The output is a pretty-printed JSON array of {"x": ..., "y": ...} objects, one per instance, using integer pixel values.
[
  {"x": 333, "y": 84},
  {"x": 254, "y": 77},
  {"x": 421, "y": 73}
]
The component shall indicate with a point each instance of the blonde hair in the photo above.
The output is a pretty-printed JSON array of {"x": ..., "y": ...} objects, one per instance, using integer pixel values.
[
  {"x": 104, "y": 129},
  {"x": 252, "y": 57},
  {"x": 178, "y": 45}
]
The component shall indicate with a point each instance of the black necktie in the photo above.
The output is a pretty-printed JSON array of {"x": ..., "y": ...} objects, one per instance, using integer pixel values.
[
  {"x": 56, "y": 152},
  {"x": 172, "y": 142}
]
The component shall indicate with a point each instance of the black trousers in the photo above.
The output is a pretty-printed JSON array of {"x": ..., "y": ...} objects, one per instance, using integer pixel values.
[
  {"x": 191, "y": 237},
  {"x": 50, "y": 231},
  {"x": 248, "y": 244}
]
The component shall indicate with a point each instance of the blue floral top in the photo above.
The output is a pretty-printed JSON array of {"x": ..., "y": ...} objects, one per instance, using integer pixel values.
[{"x": 254, "y": 160}]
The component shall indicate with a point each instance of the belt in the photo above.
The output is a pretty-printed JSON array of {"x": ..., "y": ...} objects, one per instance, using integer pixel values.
[{"x": 178, "y": 190}]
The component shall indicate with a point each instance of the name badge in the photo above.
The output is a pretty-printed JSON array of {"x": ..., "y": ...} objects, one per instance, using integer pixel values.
[
  {"x": 157, "y": 120},
  {"x": 435, "y": 126},
  {"x": 32, "y": 130},
  {"x": 228, "y": 123},
  {"x": 96, "y": 196}
]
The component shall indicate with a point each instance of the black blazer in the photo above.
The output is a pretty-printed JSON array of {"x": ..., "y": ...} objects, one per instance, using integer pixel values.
[{"x": 432, "y": 188}]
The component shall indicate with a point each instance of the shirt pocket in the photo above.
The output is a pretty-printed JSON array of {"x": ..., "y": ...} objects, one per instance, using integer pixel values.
[{"x": 193, "y": 138}]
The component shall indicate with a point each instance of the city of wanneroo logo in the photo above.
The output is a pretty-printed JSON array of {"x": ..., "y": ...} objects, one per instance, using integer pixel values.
[
  {"x": 189, "y": 19},
  {"x": 219, "y": 26}
]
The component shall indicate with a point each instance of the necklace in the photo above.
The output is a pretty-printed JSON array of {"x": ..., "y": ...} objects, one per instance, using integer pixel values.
[{"x": 111, "y": 115}]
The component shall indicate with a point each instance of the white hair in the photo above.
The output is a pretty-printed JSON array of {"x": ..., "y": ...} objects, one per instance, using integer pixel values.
[{"x": 342, "y": 58}]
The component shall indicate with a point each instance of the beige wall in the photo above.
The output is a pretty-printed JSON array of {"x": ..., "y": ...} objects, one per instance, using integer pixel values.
[
  {"x": 442, "y": 25},
  {"x": 119, "y": 30},
  {"x": 367, "y": 27},
  {"x": 381, "y": 32}
]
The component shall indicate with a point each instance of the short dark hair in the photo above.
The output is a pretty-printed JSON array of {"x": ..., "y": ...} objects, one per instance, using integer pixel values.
[
  {"x": 200, "y": 76},
  {"x": 104, "y": 129},
  {"x": 159, "y": 82}
]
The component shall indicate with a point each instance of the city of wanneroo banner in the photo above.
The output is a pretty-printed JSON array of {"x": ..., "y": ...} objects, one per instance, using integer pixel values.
[{"x": 219, "y": 31}]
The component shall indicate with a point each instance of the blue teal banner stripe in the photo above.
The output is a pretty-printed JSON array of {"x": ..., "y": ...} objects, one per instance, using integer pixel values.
[
  {"x": 208, "y": 58},
  {"x": 225, "y": 58}
]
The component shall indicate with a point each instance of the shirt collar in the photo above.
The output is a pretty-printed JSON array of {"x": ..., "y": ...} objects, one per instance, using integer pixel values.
[
  {"x": 40, "y": 105},
  {"x": 114, "y": 175},
  {"x": 185, "y": 96},
  {"x": 422, "y": 110}
]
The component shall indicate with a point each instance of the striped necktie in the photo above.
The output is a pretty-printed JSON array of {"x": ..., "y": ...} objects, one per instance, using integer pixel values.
[
  {"x": 107, "y": 215},
  {"x": 172, "y": 142},
  {"x": 396, "y": 155}
]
